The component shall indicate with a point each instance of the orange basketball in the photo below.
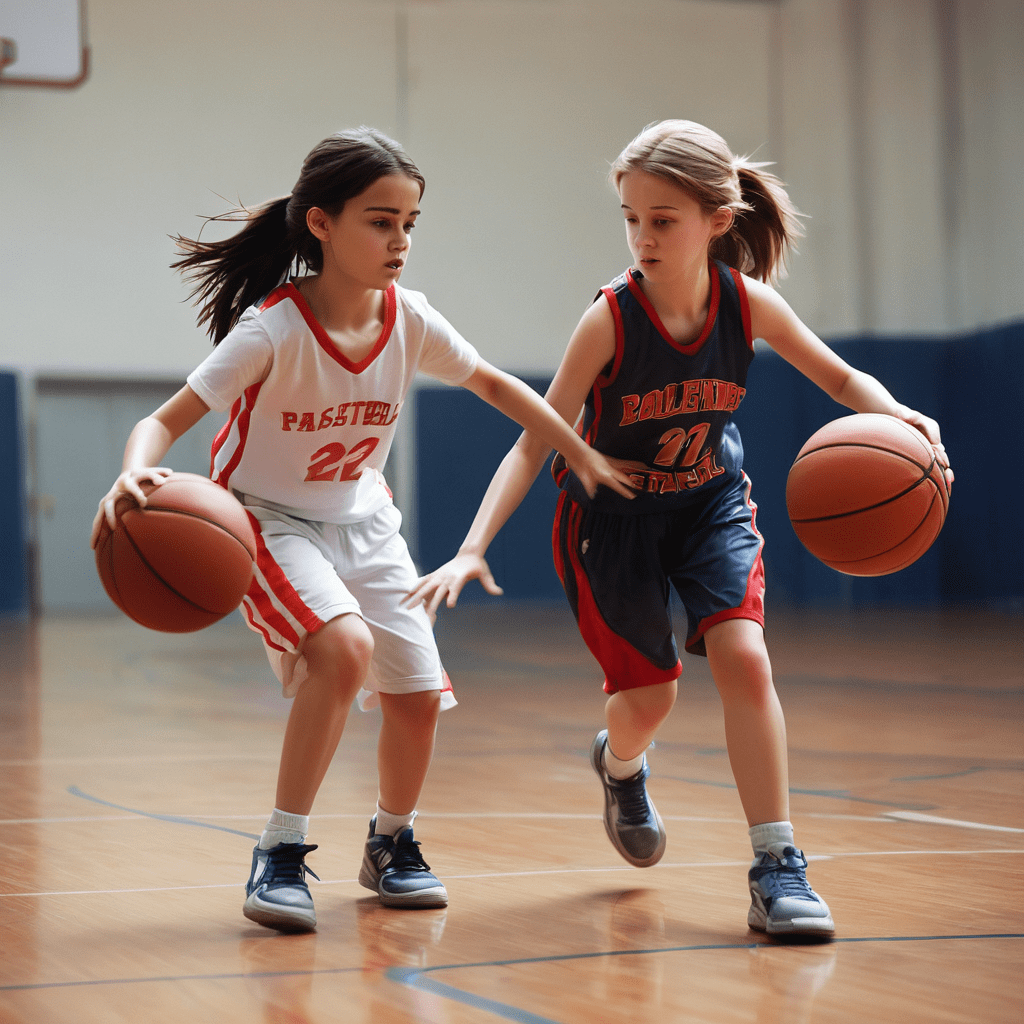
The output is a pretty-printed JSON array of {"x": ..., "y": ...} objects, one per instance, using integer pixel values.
[
  {"x": 866, "y": 495},
  {"x": 184, "y": 560}
]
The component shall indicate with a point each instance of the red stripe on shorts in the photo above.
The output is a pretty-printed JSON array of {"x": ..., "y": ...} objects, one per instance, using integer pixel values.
[
  {"x": 625, "y": 668},
  {"x": 752, "y": 605},
  {"x": 282, "y": 590}
]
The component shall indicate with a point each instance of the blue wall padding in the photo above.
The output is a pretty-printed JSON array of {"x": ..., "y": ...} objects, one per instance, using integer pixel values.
[
  {"x": 460, "y": 442},
  {"x": 974, "y": 387},
  {"x": 13, "y": 562}
]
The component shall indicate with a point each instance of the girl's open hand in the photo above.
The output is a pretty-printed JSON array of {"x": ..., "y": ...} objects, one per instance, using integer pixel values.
[
  {"x": 930, "y": 429},
  {"x": 446, "y": 583},
  {"x": 595, "y": 470},
  {"x": 127, "y": 484}
]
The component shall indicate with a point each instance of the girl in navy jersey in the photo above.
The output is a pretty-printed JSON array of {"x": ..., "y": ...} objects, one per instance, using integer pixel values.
[
  {"x": 658, "y": 364},
  {"x": 314, "y": 370}
]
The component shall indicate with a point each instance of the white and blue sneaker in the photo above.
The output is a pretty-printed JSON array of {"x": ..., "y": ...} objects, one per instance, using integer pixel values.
[
  {"x": 630, "y": 819},
  {"x": 781, "y": 900},
  {"x": 394, "y": 868},
  {"x": 276, "y": 895}
]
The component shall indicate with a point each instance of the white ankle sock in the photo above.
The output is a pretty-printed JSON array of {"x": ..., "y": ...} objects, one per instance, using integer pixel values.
[
  {"x": 771, "y": 832},
  {"x": 284, "y": 828},
  {"x": 389, "y": 824},
  {"x": 622, "y": 769}
]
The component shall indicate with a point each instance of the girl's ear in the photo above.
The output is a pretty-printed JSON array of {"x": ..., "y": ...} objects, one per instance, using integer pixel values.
[
  {"x": 721, "y": 221},
  {"x": 318, "y": 223}
]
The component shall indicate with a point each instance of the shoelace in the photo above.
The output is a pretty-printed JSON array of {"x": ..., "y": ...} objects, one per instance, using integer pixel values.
[
  {"x": 286, "y": 866},
  {"x": 632, "y": 801},
  {"x": 789, "y": 878},
  {"x": 407, "y": 857}
]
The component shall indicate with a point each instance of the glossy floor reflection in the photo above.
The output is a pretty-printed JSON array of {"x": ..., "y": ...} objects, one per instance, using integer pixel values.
[{"x": 139, "y": 767}]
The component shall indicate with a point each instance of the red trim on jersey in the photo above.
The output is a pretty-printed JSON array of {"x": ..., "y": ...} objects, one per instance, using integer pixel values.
[
  {"x": 687, "y": 350},
  {"x": 620, "y": 337},
  {"x": 324, "y": 340},
  {"x": 279, "y": 294},
  {"x": 604, "y": 379},
  {"x": 624, "y": 666},
  {"x": 241, "y": 415},
  {"x": 744, "y": 306},
  {"x": 222, "y": 436}
]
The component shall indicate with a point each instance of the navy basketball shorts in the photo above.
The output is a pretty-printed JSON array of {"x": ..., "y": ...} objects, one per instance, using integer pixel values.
[{"x": 617, "y": 571}]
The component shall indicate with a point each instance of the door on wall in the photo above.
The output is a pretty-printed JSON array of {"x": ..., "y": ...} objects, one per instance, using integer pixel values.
[{"x": 81, "y": 427}]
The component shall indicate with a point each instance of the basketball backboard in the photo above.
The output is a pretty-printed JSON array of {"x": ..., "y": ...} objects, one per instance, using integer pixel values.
[{"x": 43, "y": 43}]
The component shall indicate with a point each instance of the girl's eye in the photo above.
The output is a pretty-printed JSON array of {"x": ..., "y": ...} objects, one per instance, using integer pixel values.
[{"x": 409, "y": 227}]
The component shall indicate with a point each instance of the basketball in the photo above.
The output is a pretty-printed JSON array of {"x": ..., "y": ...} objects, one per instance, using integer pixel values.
[
  {"x": 182, "y": 562},
  {"x": 866, "y": 495}
]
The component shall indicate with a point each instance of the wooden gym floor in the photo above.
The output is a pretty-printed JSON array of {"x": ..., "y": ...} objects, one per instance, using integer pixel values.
[{"x": 137, "y": 768}]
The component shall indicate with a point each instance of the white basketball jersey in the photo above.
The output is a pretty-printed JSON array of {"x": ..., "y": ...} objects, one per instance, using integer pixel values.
[{"x": 310, "y": 430}]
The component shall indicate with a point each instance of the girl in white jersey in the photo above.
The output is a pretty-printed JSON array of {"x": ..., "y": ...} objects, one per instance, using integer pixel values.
[{"x": 314, "y": 370}]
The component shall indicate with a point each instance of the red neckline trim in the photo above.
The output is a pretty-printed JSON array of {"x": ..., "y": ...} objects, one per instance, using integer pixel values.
[
  {"x": 694, "y": 346},
  {"x": 324, "y": 340}
]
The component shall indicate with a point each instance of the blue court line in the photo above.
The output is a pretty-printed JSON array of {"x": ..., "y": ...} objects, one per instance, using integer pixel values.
[
  {"x": 414, "y": 977},
  {"x": 176, "y": 819}
]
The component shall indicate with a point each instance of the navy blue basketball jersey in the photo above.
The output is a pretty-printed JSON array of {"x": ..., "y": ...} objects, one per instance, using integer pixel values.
[{"x": 666, "y": 405}]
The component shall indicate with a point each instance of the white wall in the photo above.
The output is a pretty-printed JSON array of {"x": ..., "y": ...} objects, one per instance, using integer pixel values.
[{"x": 513, "y": 109}]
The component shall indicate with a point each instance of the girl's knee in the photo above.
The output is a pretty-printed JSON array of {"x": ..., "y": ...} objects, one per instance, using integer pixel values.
[
  {"x": 421, "y": 708},
  {"x": 343, "y": 646},
  {"x": 648, "y": 706}
]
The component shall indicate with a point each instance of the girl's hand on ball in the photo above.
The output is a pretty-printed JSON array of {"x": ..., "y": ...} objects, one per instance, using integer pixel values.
[{"x": 127, "y": 484}]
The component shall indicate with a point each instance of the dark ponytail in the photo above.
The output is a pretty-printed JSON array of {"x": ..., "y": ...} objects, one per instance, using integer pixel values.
[{"x": 230, "y": 275}]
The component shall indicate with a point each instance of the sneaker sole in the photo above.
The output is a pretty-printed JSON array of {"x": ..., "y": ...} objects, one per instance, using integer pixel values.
[
  {"x": 270, "y": 917},
  {"x": 596, "y": 750},
  {"x": 433, "y": 897},
  {"x": 794, "y": 926}
]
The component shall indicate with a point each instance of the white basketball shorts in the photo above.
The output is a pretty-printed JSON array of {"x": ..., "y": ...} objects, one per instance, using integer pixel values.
[{"x": 308, "y": 573}]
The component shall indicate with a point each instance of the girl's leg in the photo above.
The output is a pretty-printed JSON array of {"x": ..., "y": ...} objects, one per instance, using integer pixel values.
[
  {"x": 338, "y": 660},
  {"x": 617, "y": 755},
  {"x": 392, "y": 863},
  {"x": 634, "y": 716},
  {"x": 781, "y": 900},
  {"x": 405, "y": 747},
  {"x": 755, "y": 729}
]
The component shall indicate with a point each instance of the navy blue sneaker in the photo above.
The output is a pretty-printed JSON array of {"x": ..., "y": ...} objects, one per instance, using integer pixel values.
[
  {"x": 394, "y": 868},
  {"x": 276, "y": 894},
  {"x": 781, "y": 900},
  {"x": 630, "y": 819}
]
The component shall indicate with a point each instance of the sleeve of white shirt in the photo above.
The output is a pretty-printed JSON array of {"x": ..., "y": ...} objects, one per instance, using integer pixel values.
[
  {"x": 243, "y": 358},
  {"x": 446, "y": 354}
]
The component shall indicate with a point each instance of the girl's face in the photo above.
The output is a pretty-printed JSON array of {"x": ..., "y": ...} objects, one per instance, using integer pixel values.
[
  {"x": 667, "y": 231},
  {"x": 368, "y": 242}
]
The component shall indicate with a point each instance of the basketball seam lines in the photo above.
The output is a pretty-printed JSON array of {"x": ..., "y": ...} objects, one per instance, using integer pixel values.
[
  {"x": 867, "y": 508},
  {"x": 909, "y": 536},
  {"x": 156, "y": 575},
  {"x": 150, "y": 509}
]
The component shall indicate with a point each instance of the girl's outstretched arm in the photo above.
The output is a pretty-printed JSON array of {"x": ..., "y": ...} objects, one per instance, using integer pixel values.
[
  {"x": 772, "y": 319},
  {"x": 590, "y": 348},
  {"x": 148, "y": 443}
]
